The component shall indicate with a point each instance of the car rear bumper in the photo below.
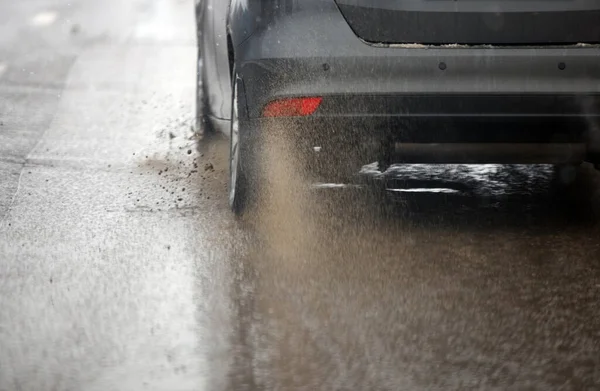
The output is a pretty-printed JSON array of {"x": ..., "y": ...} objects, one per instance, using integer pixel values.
[
  {"x": 444, "y": 128},
  {"x": 376, "y": 96},
  {"x": 377, "y": 112},
  {"x": 435, "y": 139},
  {"x": 530, "y": 153}
]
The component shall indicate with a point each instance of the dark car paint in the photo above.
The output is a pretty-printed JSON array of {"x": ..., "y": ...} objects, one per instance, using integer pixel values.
[
  {"x": 507, "y": 22},
  {"x": 239, "y": 20},
  {"x": 306, "y": 47}
]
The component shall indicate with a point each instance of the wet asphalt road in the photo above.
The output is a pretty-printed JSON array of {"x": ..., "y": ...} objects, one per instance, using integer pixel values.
[{"x": 121, "y": 267}]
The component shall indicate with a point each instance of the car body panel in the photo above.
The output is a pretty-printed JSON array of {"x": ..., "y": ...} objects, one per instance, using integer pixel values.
[
  {"x": 330, "y": 59},
  {"x": 288, "y": 48},
  {"x": 506, "y": 22},
  {"x": 212, "y": 41}
]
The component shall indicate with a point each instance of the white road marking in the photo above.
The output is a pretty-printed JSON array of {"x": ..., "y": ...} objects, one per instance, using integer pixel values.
[{"x": 45, "y": 18}]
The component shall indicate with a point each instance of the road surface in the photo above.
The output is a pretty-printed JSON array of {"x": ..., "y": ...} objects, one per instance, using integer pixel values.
[{"x": 121, "y": 267}]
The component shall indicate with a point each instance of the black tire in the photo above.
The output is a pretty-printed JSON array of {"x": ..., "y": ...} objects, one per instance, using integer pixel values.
[{"x": 244, "y": 168}]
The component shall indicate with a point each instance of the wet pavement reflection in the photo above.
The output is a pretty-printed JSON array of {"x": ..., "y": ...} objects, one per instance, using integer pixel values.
[{"x": 488, "y": 280}]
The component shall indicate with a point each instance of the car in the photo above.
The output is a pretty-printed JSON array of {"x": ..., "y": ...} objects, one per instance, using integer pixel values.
[{"x": 350, "y": 82}]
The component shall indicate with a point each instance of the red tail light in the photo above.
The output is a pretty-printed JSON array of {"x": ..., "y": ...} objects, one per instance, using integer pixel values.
[{"x": 292, "y": 107}]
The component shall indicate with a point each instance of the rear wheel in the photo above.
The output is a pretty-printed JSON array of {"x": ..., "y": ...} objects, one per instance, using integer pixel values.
[{"x": 243, "y": 168}]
